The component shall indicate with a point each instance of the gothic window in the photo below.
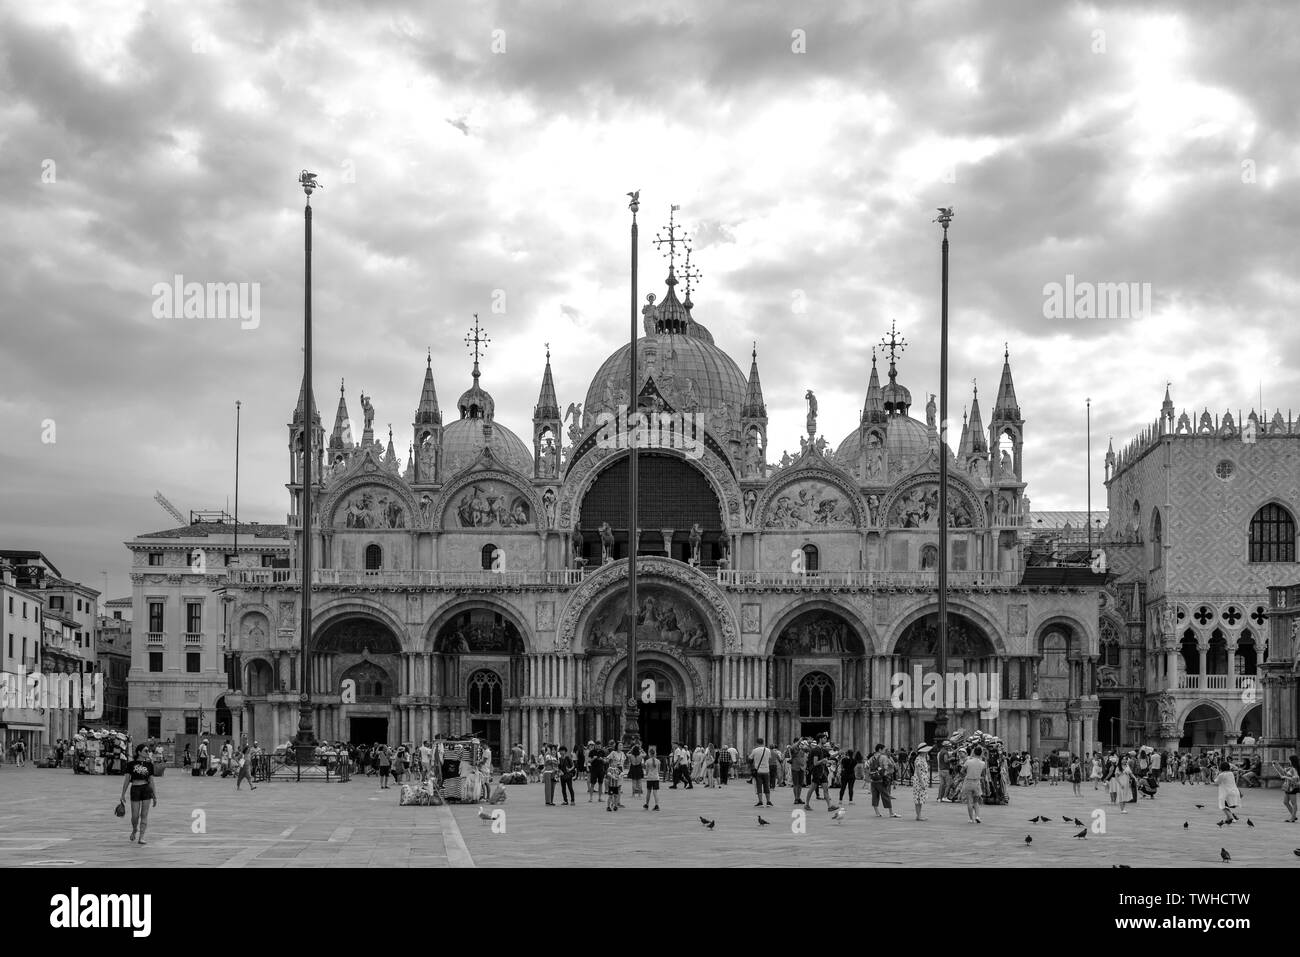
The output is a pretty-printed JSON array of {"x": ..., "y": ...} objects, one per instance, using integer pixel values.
[
  {"x": 1109, "y": 645},
  {"x": 488, "y": 552},
  {"x": 485, "y": 693},
  {"x": 810, "y": 558},
  {"x": 1272, "y": 535},
  {"x": 374, "y": 558},
  {"x": 1157, "y": 539},
  {"x": 816, "y": 696},
  {"x": 929, "y": 557}
]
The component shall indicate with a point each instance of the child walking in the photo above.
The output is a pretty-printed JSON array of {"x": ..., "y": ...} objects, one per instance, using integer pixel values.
[{"x": 612, "y": 787}]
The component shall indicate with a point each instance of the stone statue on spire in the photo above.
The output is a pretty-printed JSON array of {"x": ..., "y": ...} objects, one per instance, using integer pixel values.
[
  {"x": 812, "y": 413},
  {"x": 930, "y": 412}
]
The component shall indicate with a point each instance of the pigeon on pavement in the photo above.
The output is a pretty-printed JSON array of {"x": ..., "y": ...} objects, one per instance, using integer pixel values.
[
  {"x": 1223, "y": 853},
  {"x": 1083, "y": 833}
]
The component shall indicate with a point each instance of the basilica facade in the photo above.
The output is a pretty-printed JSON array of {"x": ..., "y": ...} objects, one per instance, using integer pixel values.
[{"x": 481, "y": 587}]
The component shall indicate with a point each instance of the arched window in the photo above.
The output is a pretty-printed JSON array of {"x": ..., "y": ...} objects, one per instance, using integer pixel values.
[
  {"x": 929, "y": 557},
  {"x": 488, "y": 552},
  {"x": 1109, "y": 645},
  {"x": 1157, "y": 539},
  {"x": 374, "y": 558},
  {"x": 1272, "y": 535},
  {"x": 485, "y": 692},
  {"x": 810, "y": 558},
  {"x": 816, "y": 696}
]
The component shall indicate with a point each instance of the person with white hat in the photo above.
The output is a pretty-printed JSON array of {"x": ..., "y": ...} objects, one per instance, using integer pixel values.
[{"x": 921, "y": 778}]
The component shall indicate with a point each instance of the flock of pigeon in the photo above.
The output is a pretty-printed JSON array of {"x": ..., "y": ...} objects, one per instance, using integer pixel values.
[{"x": 837, "y": 813}]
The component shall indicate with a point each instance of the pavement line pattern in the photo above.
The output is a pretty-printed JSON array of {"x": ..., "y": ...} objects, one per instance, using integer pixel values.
[{"x": 457, "y": 853}]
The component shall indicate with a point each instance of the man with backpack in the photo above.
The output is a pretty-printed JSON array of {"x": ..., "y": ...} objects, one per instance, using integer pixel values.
[
  {"x": 759, "y": 762},
  {"x": 880, "y": 770}
]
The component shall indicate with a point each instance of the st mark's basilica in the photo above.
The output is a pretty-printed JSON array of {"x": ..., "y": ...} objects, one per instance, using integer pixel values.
[{"x": 481, "y": 586}]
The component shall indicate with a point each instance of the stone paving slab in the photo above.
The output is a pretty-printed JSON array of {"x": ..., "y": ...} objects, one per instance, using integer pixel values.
[
  {"x": 1149, "y": 835},
  {"x": 55, "y": 816}
]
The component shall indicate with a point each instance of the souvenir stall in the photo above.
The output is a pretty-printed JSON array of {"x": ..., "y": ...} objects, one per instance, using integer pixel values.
[
  {"x": 997, "y": 788},
  {"x": 99, "y": 751}
]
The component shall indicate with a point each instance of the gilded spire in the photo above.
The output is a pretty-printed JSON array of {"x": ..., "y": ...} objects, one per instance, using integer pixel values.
[
  {"x": 874, "y": 409},
  {"x": 548, "y": 406},
  {"x": 341, "y": 437},
  {"x": 1006, "y": 407},
  {"x": 754, "y": 407},
  {"x": 978, "y": 443},
  {"x": 427, "y": 412}
]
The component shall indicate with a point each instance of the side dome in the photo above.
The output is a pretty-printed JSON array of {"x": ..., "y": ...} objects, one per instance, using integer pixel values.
[
  {"x": 905, "y": 438},
  {"x": 463, "y": 442}
]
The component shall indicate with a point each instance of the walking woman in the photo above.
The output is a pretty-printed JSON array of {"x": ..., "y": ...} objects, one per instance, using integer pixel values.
[
  {"x": 139, "y": 778},
  {"x": 1290, "y": 785},
  {"x": 550, "y": 768},
  {"x": 385, "y": 762},
  {"x": 567, "y": 771},
  {"x": 246, "y": 770},
  {"x": 709, "y": 758},
  {"x": 920, "y": 778},
  {"x": 972, "y": 786},
  {"x": 1095, "y": 774}
]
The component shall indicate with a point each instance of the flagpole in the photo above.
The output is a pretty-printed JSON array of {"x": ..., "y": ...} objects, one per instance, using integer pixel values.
[
  {"x": 631, "y": 727},
  {"x": 941, "y": 714}
]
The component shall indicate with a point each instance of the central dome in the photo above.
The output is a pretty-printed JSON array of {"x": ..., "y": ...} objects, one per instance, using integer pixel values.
[
  {"x": 690, "y": 372},
  {"x": 905, "y": 438}
]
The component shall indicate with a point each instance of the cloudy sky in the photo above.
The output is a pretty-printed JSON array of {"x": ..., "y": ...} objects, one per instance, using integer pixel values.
[{"x": 470, "y": 149}]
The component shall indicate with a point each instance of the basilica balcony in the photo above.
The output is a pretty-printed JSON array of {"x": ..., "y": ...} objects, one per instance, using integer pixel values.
[
  {"x": 857, "y": 578},
  {"x": 409, "y": 578},
  {"x": 1009, "y": 520}
]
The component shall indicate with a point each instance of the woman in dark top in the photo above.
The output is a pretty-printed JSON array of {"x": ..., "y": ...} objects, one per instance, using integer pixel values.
[
  {"x": 849, "y": 761},
  {"x": 139, "y": 779},
  {"x": 596, "y": 773}
]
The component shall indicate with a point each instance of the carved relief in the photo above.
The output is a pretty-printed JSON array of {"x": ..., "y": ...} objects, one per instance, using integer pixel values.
[
  {"x": 808, "y": 504},
  {"x": 545, "y": 615},
  {"x": 662, "y": 616},
  {"x": 1017, "y": 620},
  {"x": 715, "y": 605},
  {"x": 751, "y": 618}
]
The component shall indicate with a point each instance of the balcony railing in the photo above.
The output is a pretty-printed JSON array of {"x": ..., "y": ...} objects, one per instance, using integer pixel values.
[
  {"x": 156, "y": 638},
  {"x": 193, "y": 637},
  {"x": 863, "y": 578},
  {"x": 1215, "y": 682},
  {"x": 1010, "y": 520},
  {"x": 427, "y": 578}
]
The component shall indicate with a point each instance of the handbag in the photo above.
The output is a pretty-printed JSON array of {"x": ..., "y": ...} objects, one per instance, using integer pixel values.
[{"x": 120, "y": 810}]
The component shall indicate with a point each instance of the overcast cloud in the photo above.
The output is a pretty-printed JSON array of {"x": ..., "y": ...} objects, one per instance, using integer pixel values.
[{"x": 1115, "y": 142}]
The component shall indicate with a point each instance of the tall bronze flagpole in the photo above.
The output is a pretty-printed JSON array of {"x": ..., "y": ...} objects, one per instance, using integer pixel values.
[
  {"x": 941, "y": 715},
  {"x": 305, "y": 742},
  {"x": 631, "y": 726}
]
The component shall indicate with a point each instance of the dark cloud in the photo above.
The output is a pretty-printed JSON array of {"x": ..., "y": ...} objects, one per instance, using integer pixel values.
[{"x": 459, "y": 180}]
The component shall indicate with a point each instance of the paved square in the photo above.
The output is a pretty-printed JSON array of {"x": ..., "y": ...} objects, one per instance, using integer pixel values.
[{"x": 55, "y": 818}]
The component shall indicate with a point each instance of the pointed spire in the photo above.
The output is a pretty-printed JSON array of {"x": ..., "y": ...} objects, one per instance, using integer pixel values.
[
  {"x": 1110, "y": 451},
  {"x": 1167, "y": 407},
  {"x": 548, "y": 406},
  {"x": 341, "y": 437},
  {"x": 874, "y": 409},
  {"x": 410, "y": 462},
  {"x": 754, "y": 407},
  {"x": 963, "y": 447},
  {"x": 1006, "y": 407},
  {"x": 979, "y": 443},
  {"x": 428, "y": 413},
  {"x": 302, "y": 402},
  {"x": 390, "y": 455}
]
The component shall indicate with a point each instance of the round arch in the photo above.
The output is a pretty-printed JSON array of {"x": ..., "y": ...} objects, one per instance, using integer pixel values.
[
  {"x": 357, "y": 635},
  {"x": 1252, "y": 722},
  {"x": 575, "y": 615},
  {"x": 583, "y": 474},
  {"x": 667, "y": 613},
  {"x": 445, "y": 614},
  {"x": 259, "y": 677},
  {"x": 355, "y": 607},
  {"x": 334, "y": 500},
  {"x": 688, "y": 688},
  {"x": 986, "y": 624},
  {"x": 801, "y": 606},
  {"x": 1073, "y": 628},
  {"x": 447, "y": 497},
  {"x": 1203, "y": 724},
  {"x": 821, "y": 470}
]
